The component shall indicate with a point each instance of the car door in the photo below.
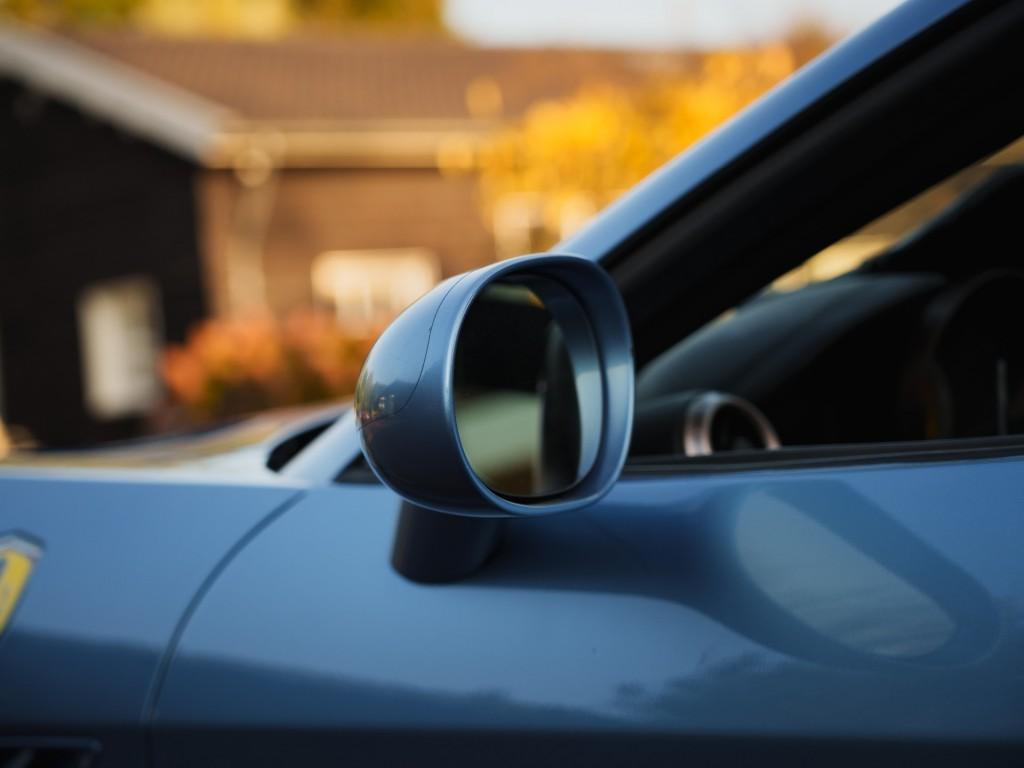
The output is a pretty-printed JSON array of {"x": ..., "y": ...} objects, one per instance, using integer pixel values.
[{"x": 847, "y": 613}]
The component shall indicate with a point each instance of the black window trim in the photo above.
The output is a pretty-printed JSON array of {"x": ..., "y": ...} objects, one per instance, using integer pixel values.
[{"x": 830, "y": 456}]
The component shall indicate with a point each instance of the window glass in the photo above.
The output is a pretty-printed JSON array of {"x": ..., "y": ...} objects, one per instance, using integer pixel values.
[
  {"x": 906, "y": 330},
  {"x": 367, "y": 289},
  {"x": 869, "y": 241},
  {"x": 120, "y": 338}
]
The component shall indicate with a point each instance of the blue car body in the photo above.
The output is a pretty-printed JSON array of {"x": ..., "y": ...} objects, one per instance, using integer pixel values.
[{"x": 227, "y": 614}]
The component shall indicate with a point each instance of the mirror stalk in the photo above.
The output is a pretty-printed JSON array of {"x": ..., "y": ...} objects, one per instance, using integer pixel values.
[{"x": 434, "y": 548}]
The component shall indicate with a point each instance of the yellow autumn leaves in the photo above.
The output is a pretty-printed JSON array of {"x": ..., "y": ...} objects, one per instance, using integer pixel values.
[{"x": 569, "y": 158}]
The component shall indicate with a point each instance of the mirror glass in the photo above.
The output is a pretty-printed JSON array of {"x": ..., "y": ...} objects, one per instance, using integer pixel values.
[{"x": 527, "y": 388}]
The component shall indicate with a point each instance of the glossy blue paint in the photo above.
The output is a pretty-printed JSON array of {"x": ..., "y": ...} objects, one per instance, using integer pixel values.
[
  {"x": 686, "y": 174},
  {"x": 405, "y": 396},
  {"x": 122, "y": 559},
  {"x": 864, "y": 603}
]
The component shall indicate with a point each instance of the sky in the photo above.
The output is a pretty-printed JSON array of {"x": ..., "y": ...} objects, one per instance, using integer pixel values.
[{"x": 650, "y": 23}]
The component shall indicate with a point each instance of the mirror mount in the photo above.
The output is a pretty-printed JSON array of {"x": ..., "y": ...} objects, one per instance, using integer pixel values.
[{"x": 432, "y": 548}]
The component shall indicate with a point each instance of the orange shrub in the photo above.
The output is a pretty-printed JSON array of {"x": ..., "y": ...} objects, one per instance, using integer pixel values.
[
  {"x": 571, "y": 157},
  {"x": 232, "y": 367}
]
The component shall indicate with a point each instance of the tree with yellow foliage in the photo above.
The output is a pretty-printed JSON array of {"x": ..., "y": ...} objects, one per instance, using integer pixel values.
[
  {"x": 567, "y": 159},
  {"x": 243, "y": 365},
  {"x": 230, "y": 18}
]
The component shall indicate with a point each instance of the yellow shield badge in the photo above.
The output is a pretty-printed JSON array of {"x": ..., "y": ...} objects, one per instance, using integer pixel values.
[{"x": 17, "y": 558}]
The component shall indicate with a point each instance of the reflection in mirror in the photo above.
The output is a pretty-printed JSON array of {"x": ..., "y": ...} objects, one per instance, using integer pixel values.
[
  {"x": 832, "y": 587},
  {"x": 527, "y": 389}
]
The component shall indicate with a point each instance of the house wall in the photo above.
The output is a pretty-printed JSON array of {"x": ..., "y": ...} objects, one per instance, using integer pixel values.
[
  {"x": 80, "y": 203},
  {"x": 309, "y": 212}
]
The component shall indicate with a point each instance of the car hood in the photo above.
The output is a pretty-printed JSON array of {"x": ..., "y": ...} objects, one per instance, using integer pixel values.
[{"x": 239, "y": 444}]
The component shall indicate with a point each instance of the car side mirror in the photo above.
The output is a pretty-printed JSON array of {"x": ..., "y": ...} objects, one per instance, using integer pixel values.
[{"x": 503, "y": 392}]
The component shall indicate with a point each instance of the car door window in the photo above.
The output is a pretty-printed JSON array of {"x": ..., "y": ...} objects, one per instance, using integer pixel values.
[{"x": 902, "y": 333}]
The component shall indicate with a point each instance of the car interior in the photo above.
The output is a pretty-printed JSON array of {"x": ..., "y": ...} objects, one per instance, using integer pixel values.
[{"x": 917, "y": 342}]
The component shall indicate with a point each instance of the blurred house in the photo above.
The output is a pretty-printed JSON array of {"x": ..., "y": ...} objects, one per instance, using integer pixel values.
[{"x": 147, "y": 182}]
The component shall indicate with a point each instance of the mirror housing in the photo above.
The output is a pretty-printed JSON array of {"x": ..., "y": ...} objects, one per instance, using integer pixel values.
[{"x": 405, "y": 400}]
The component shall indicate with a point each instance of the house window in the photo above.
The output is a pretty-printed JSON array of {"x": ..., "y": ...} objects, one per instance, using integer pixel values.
[
  {"x": 518, "y": 226},
  {"x": 120, "y": 337},
  {"x": 527, "y": 223},
  {"x": 368, "y": 288}
]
